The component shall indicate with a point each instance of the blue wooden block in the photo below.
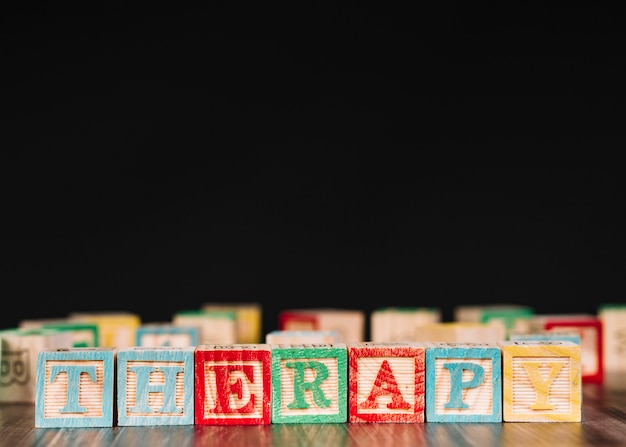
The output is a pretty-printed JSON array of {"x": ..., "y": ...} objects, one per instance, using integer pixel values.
[
  {"x": 75, "y": 387},
  {"x": 155, "y": 386},
  {"x": 167, "y": 334},
  {"x": 463, "y": 382},
  {"x": 309, "y": 383}
]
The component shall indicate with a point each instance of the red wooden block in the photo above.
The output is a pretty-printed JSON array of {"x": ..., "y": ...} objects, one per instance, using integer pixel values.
[
  {"x": 386, "y": 382},
  {"x": 233, "y": 384}
]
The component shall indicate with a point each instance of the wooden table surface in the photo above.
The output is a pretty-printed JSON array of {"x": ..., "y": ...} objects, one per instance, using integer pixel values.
[{"x": 603, "y": 424}]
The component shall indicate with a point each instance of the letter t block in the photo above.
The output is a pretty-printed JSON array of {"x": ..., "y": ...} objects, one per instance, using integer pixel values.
[
  {"x": 75, "y": 387},
  {"x": 309, "y": 383},
  {"x": 233, "y": 384},
  {"x": 541, "y": 381}
]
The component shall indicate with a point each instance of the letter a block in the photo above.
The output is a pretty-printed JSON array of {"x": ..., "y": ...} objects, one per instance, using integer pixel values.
[
  {"x": 541, "y": 381},
  {"x": 463, "y": 382},
  {"x": 155, "y": 386},
  {"x": 233, "y": 384},
  {"x": 386, "y": 382},
  {"x": 309, "y": 383},
  {"x": 75, "y": 387}
]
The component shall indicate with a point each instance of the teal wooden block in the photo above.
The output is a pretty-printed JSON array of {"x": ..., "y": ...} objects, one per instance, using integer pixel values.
[
  {"x": 167, "y": 334},
  {"x": 75, "y": 387},
  {"x": 155, "y": 386},
  {"x": 463, "y": 382},
  {"x": 309, "y": 383}
]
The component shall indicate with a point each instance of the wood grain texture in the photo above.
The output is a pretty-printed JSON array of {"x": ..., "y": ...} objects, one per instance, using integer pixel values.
[
  {"x": 166, "y": 334},
  {"x": 603, "y": 424},
  {"x": 309, "y": 383},
  {"x": 386, "y": 382},
  {"x": 541, "y": 381},
  {"x": 233, "y": 384},
  {"x": 463, "y": 382},
  {"x": 155, "y": 386}
]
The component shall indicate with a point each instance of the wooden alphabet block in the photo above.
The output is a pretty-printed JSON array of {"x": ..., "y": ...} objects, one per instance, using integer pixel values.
[
  {"x": 302, "y": 337},
  {"x": 397, "y": 324},
  {"x": 115, "y": 329},
  {"x": 463, "y": 382},
  {"x": 455, "y": 332},
  {"x": 386, "y": 382},
  {"x": 613, "y": 318},
  {"x": 155, "y": 386},
  {"x": 514, "y": 317},
  {"x": 167, "y": 334},
  {"x": 589, "y": 327},
  {"x": 84, "y": 335},
  {"x": 75, "y": 387},
  {"x": 249, "y": 319},
  {"x": 215, "y": 327},
  {"x": 19, "y": 349},
  {"x": 542, "y": 381},
  {"x": 347, "y": 322},
  {"x": 233, "y": 384},
  {"x": 309, "y": 383}
]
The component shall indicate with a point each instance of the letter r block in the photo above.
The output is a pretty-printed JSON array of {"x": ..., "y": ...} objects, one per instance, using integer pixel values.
[
  {"x": 541, "y": 381},
  {"x": 75, "y": 387},
  {"x": 155, "y": 386},
  {"x": 386, "y": 382},
  {"x": 233, "y": 384},
  {"x": 463, "y": 382},
  {"x": 309, "y": 383}
]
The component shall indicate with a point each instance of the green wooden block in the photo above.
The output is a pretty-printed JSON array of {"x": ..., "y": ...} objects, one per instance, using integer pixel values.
[{"x": 309, "y": 383}]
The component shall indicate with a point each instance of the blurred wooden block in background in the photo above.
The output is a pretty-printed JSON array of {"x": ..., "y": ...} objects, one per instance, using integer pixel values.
[
  {"x": 84, "y": 335},
  {"x": 249, "y": 320},
  {"x": 613, "y": 317},
  {"x": 167, "y": 334},
  {"x": 386, "y": 382},
  {"x": 463, "y": 382},
  {"x": 514, "y": 317},
  {"x": 302, "y": 337},
  {"x": 75, "y": 387},
  {"x": 155, "y": 386},
  {"x": 589, "y": 327},
  {"x": 347, "y": 322},
  {"x": 465, "y": 332},
  {"x": 115, "y": 329},
  {"x": 309, "y": 383},
  {"x": 233, "y": 384},
  {"x": 541, "y": 381},
  {"x": 397, "y": 324},
  {"x": 19, "y": 349},
  {"x": 215, "y": 326}
]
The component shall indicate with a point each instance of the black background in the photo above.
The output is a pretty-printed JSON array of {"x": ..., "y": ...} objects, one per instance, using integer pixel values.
[{"x": 311, "y": 156}]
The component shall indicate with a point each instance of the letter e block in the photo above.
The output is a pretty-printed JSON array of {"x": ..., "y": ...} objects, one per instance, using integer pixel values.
[
  {"x": 155, "y": 386},
  {"x": 386, "y": 382},
  {"x": 75, "y": 387},
  {"x": 233, "y": 384},
  {"x": 309, "y": 383},
  {"x": 541, "y": 381},
  {"x": 463, "y": 382}
]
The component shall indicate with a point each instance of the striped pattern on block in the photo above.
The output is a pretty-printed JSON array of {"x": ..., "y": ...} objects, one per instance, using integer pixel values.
[
  {"x": 386, "y": 382},
  {"x": 309, "y": 383}
]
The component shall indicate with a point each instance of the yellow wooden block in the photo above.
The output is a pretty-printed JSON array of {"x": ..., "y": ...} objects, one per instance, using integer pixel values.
[
  {"x": 454, "y": 332},
  {"x": 541, "y": 381},
  {"x": 115, "y": 329},
  {"x": 248, "y": 318}
]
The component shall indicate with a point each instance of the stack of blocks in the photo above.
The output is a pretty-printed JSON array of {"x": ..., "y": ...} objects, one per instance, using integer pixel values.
[{"x": 356, "y": 382}]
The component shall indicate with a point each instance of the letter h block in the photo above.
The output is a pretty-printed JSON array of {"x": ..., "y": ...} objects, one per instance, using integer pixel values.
[
  {"x": 386, "y": 382},
  {"x": 463, "y": 382},
  {"x": 155, "y": 386},
  {"x": 75, "y": 387},
  {"x": 233, "y": 384},
  {"x": 309, "y": 383},
  {"x": 542, "y": 381}
]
